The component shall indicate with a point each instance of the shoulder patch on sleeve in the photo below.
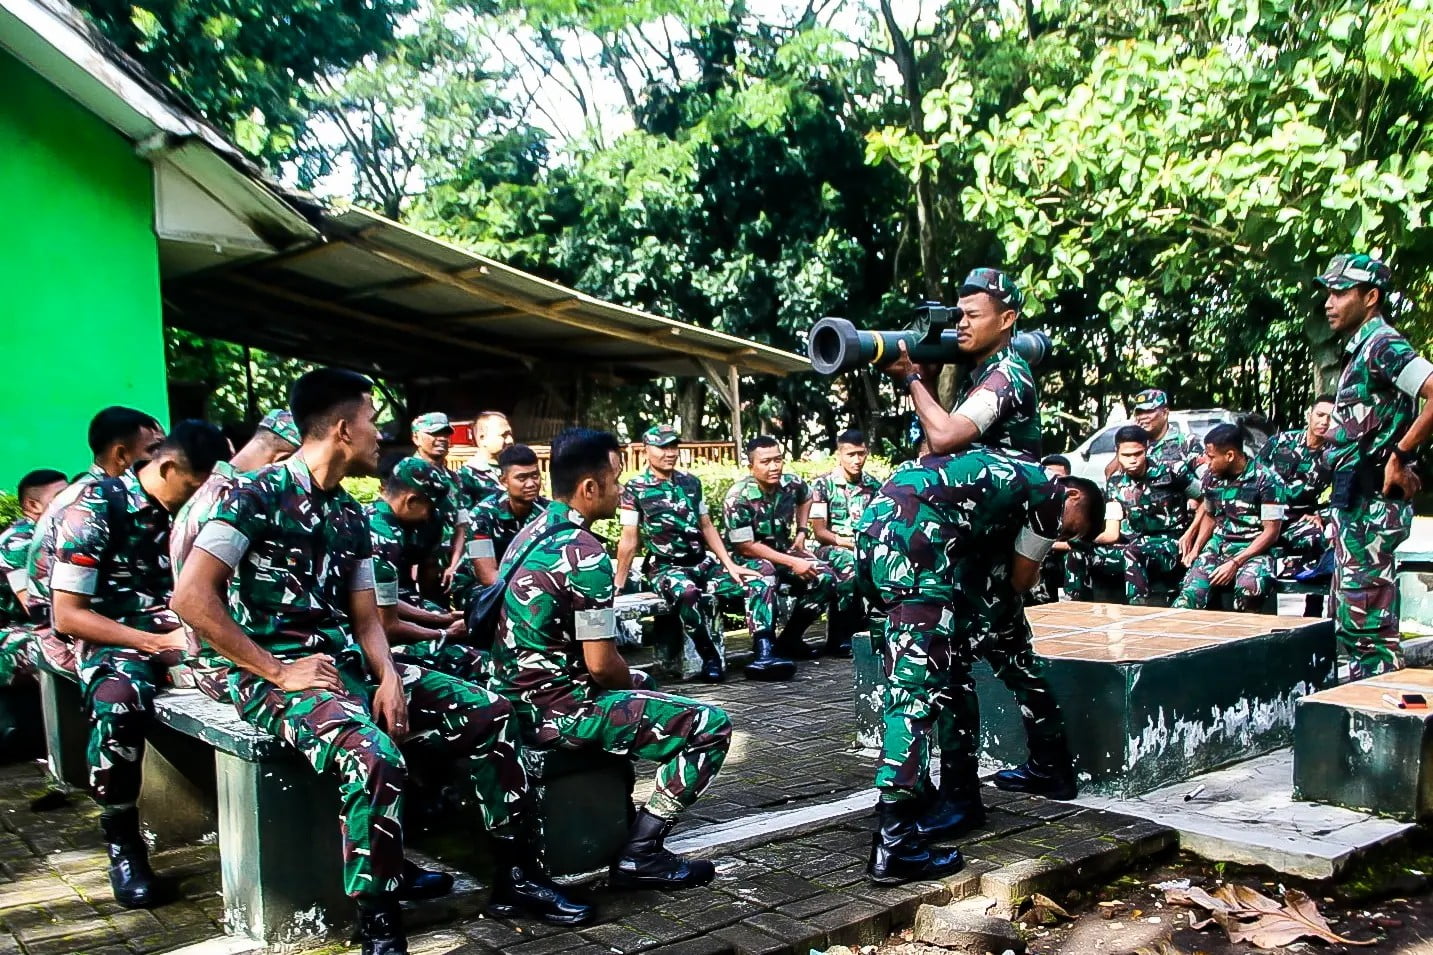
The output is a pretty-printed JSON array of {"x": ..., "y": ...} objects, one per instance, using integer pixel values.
[
  {"x": 224, "y": 541},
  {"x": 362, "y": 578},
  {"x": 590, "y": 625},
  {"x": 740, "y": 535},
  {"x": 1032, "y": 545},
  {"x": 982, "y": 408},
  {"x": 628, "y": 517},
  {"x": 1411, "y": 378}
]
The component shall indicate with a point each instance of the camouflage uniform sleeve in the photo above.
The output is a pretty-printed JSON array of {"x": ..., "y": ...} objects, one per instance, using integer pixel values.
[
  {"x": 236, "y": 520},
  {"x": 1042, "y": 523},
  {"x": 14, "y": 550},
  {"x": 483, "y": 531},
  {"x": 592, "y": 582},
  {"x": 1273, "y": 497},
  {"x": 387, "y": 561},
  {"x": 739, "y": 517},
  {"x": 821, "y": 498},
  {"x": 358, "y": 539},
  {"x": 81, "y": 536},
  {"x": 801, "y": 490},
  {"x": 628, "y": 514},
  {"x": 1394, "y": 360},
  {"x": 1114, "y": 508},
  {"x": 996, "y": 397}
]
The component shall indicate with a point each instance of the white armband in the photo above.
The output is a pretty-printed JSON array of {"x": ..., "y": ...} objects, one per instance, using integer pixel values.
[
  {"x": 1272, "y": 512},
  {"x": 740, "y": 535},
  {"x": 1032, "y": 545},
  {"x": 362, "y": 576},
  {"x": 18, "y": 579},
  {"x": 588, "y": 625},
  {"x": 74, "y": 579},
  {"x": 464, "y": 516},
  {"x": 819, "y": 509},
  {"x": 386, "y": 593},
  {"x": 1114, "y": 511},
  {"x": 628, "y": 517},
  {"x": 983, "y": 408},
  {"x": 224, "y": 541},
  {"x": 1410, "y": 379},
  {"x": 480, "y": 548},
  {"x": 703, "y": 510}
]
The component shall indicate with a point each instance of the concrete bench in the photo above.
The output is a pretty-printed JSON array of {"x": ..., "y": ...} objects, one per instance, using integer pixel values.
[
  {"x": 20, "y": 721},
  {"x": 207, "y": 771},
  {"x": 1353, "y": 748}
]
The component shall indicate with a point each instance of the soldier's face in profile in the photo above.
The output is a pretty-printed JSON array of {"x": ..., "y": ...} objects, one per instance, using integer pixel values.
[
  {"x": 178, "y": 482},
  {"x": 142, "y": 447},
  {"x": 609, "y": 489},
  {"x": 1348, "y": 308},
  {"x": 494, "y": 434},
  {"x": 1319, "y": 417},
  {"x": 523, "y": 482},
  {"x": 852, "y": 458},
  {"x": 983, "y": 322},
  {"x": 1073, "y": 520},
  {"x": 361, "y": 433},
  {"x": 767, "y": 464},
  {"x": 1133, "y": 457},
  {"x": 1221, "y": 462}
]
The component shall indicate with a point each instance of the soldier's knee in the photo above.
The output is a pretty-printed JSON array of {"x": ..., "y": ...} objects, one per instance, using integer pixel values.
[
  {"x": 763, "y": 567},
  {"x": 688, "y": 594}
]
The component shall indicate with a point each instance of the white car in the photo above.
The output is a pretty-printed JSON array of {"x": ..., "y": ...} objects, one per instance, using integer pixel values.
[{"x": 1090, "y": 459}]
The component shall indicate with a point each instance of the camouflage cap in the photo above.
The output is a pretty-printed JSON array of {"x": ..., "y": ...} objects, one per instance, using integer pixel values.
[
  {"x": 434, "y": 422},
  {"x": 418, "y": 475},
  {"x": 1346, "y": 271},
  {"x": 996, "y": 283},
  {"x": 662, "y": 436},
  {"x": 1150, "y": 399},
  {"x": 281, "y": 422}
]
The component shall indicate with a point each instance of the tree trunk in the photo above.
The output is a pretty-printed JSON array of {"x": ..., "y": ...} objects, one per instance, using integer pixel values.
[
  {"x": 690, "y": 392},
  {"x": 903, "y": 52}
]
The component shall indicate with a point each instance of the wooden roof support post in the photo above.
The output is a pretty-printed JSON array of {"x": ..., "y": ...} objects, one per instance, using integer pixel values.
[
  {"x": 726, "y": 382},
  {"x": 734, "y": 379}
]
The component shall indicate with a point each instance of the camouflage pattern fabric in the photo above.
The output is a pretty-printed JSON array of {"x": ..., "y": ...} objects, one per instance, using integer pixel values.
[
  {"x": 1306, "y": 477},
  {"x": 211, "y": 677},
  {"x": 450, "y": 723},
  {"x": 16, "y": 631},
  {"x": 1150, "y": 558},
  {"x": 752, "y": 515},
  {"x": 58, "y": 649},
  {"x": 492, "y": 525},
  {"x": 1175, "y": 449},
  {"x": 1085, "y": 563},
  {"x": 1153, "y": 511},
  {"x": 559, "y": 597},
  {"x": 1000, "y": 396},
  {"x": 119, "y": 684},
  {"x": 1239, "y": 506},
  {"x": 1373, "y": 408},
  {"x": 842, "y": 503},
  {"x": 476, "y": 483},
  {"x": 934, "y": 549},
  {"x": 1366, "y": 606},
  {"x": 452, "y": 511}
]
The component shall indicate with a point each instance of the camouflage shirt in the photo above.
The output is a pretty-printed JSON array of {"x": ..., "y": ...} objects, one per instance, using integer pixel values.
[
  {"x": 494, "y": 525},
  {"x": 452, "y": 511},
  {"x": 557, "y": 598},
  {"x": 1176, "y": 449},
  {"x": 668, "y": 514},
  {"x": 959, "y": 504},
  {"x": 753, "y": 516},
  {"x": 840, "y": 502},
  {"x": 119, "y": 558},
  {"x": 14, "y": 548},
  {"x": 42, "y": 547},
  {"x": 196, "y": 510},
  {"x": 298, "y": 552},
  {"x": 476, "y": 483},
  {"x": 1241, "y": 504},
  {"x": 1303, "y": 470},
  {"x": 1154, "y": 504},
  {"x": 397, "y": 550},
  {"x": 999, "y": 395},
  {"x": 1376, "y": 398}
]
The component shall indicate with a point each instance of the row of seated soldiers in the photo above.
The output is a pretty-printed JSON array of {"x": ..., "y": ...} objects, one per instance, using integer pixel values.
[
  {"x": 1201, "y": 516},
  {"x": 261, "y": 580}
]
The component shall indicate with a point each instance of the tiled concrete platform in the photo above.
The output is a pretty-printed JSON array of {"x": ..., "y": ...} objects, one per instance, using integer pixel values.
[{"x": 1247, "y": 814}]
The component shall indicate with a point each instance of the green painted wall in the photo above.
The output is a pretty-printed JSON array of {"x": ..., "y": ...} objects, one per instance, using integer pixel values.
[{"x": 80, "y": 317}]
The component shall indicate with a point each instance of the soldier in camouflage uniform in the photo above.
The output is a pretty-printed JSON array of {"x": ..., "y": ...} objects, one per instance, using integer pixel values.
[
  {"x": 109, "y": 590},
  {"x": 663, "y": 508},
  {"x": 280, "y": 587},
  {"x": 406, "y": 538},
  {"x": 479, "y": 477},
  {"x": 556, "y": 659},
  {"x": 1297, "y": 457},
  {"x": 1373, "y": 439},
  {"x": 274, "y": 440},
  {"x": 1167, "y": 445},
  {"x": 1244, "y": 513},
  {"x": 946, "y": 548},
  {"x": 838, "y": 499},
  {"x": 765, "y": 515},
  {"x": 432, "y": 433},
  {"x": 37, "y": 489},
  {"x": 494, "y": 522},
  {"x": 119, "y": 438},
  {"x": 998, "y": 404}
]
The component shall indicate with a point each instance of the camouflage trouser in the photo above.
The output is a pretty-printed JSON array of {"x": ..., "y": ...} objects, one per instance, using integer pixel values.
[
  {"x": 119, "y": 684},
  {"x": 1251, "y": 583},
  {"x": 682, "y": 589},
  {"x": 842, "y": 561},
  {"x": 15, "y": 662},
  {"x": 1085, "y": 562},
  {"x": 465, "y": 662},
  {"x": 57, "y": 649},
  {"x": 1364, "y": 589},
  {"x": 1149, "y": 557},
  {"x": 814, "y": 595},
  {"x": 449, "y": 721},
  {"x": 1303, "y": 538},
  {"x": 1047, "y": 588},
  {"x": 686, "y": 738}
]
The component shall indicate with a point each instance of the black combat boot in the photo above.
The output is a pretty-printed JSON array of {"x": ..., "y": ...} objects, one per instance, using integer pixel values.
[
  {"x": 899, "y": 853},
  {"x": 520, "y": 888},
  {"x": 417, "y": 882},
  {"x": 956, "y": 808},
  {"x": 130, "y": 876},
  {"x": 713, "y": 666},
  {"x": 790, "y": 644},
  {"x": 767, "y": 665},
  {"x": 380, "y": 926},
  {"x": 1049, "y": 772},
  {"x": 841, "y": 626},
  {"x": 644, "y": 863}
]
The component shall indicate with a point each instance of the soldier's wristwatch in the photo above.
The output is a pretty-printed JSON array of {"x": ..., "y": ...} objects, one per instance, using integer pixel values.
[
  {"x": 911, "y": 379},
  {"x": 1405, "y": 458}
]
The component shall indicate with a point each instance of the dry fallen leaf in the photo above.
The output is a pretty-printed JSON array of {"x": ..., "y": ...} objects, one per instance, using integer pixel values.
[
  {"x": 1042, "y": 911},
  {"x": 1247, "y": 916}
]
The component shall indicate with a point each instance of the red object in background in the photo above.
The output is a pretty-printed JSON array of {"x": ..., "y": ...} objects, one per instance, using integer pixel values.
[{"x": 462, "y": 432}]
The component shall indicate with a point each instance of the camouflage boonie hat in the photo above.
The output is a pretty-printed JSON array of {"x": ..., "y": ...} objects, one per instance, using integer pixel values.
[
  {"x": 281, "y": 422},
  {"x": 662, "y": 436},
  {"x": 420, "y": 476},
  {"x": 434, "y": 422},
  {"x": 1346, "y": 271},
  {"x": 1151, "y": 399},
  {"x": 996, "y": 283}
]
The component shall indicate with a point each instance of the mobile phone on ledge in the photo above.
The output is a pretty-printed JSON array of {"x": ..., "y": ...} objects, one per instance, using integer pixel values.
[{"x": 1414, "y": 701}]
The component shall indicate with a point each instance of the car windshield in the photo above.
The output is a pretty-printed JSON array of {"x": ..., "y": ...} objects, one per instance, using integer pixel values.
[
  {"x": 1201, "y": 426},
  {"x": 1104, "y": 443}
]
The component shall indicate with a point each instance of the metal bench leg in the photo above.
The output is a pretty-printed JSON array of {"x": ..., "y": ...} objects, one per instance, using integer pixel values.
[
  {"x": 67, "y": 730},
  {"x": 279, "y": 851}
]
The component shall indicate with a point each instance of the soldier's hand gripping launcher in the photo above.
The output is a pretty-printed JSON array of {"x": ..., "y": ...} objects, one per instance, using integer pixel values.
[{"x": 835, "y": 345}]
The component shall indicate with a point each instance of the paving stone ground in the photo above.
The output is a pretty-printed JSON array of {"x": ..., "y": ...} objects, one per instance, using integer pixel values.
[{"x": 800, "y": 890}]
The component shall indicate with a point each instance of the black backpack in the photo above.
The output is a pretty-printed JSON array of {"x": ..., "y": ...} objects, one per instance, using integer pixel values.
[{"x": 486, "y": 604}]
